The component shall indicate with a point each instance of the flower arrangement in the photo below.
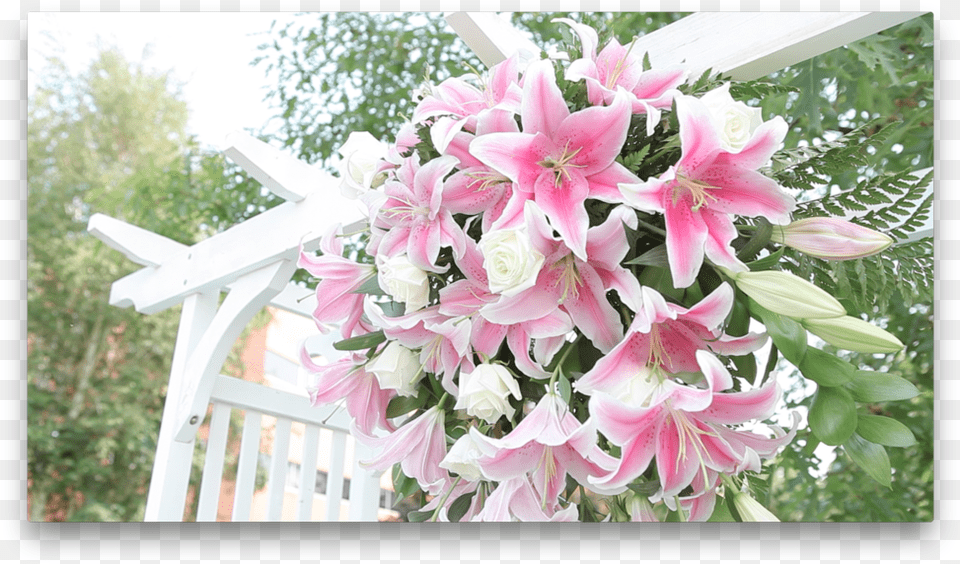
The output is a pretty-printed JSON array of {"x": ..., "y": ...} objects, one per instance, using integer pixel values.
[{"x": 566, "y": 271}]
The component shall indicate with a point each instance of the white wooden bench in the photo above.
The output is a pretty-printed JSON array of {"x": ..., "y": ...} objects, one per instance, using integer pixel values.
[{"x": 253, "y": 263}]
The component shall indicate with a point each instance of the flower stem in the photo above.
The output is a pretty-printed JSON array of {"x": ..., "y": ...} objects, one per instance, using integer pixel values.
[
  {"x": 651, "y": 228},
  {"x": 436, "y": 512},
  {"x": 563, "y": 357},
  {"x": 759, "y": 240}
]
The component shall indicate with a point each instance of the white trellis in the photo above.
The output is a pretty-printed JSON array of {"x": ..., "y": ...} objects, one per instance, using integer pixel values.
[{"x": 253, "y": 263}]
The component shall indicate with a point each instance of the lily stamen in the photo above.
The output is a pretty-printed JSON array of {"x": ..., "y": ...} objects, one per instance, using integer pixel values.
[
  {"x": 618, "y": 69},
  {"x": 697, "y": 190},
  {"x": 687, "y": 430},
  {"x": 486, "y": 179},
  {"x": 559, "y": 166},
  {"x": 570, "y": 278}
]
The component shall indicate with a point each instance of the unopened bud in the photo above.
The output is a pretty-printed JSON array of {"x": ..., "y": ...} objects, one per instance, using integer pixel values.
[
  {"x": 831, "y": 238},
  {"x": 787, "y": 294},
  {"x": 853, "y": 334},
  {"x": 751, "y": 510}
]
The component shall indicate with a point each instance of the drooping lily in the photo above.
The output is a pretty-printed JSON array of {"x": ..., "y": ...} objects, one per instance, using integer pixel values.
[
  {"x": 412, "y": 217},
  {"x": 517, "y": 500},
  {"x": 699, "y": 194},
  {"x": 340, "y": 278},
  {"x": 561, "y": 159},
  {"x": 346, "y": 379},
  {"x": 687, "y": 430},
  {"x": 548, "y": 443},
  {"x": 419, "y": 446},
  {"x": 475, "y": 188},
  {"x": 665, "y": 338},
  {"x": 457, "y": 104},
  {"x": 617, "y": 66}
]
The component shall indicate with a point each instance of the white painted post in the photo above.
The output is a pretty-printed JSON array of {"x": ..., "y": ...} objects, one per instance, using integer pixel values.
[
  {"x": 250, "y": 293},
  {"x": 171, "y": 467}
]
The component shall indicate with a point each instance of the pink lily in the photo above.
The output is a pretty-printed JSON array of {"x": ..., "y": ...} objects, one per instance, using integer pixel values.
[
  {"x": 615, "y": 66},
  {"x": 339, "y": 277},
  {"x": 552, "y": 442},
  {"x": 476, "y": 188},
  {"x": 457, "y": 104},
  {"x": 419, "y": 446},
  {"x": 346, "y": 379},
  {"x": 698, "y": 195},
  {"x": 686, "y": 430},
  {"x": 413, "y": 218},
  {"x": 517, "y": 500},
  {"x": 666, "y": 338},
  {"x": 576, "y": 286},
  {"x": 561, "y": 158}
]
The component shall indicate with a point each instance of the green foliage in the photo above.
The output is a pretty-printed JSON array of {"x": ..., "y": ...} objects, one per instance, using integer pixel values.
[
  {"x": 112, "y": 140},
  {"x": 341, "y": 72}
]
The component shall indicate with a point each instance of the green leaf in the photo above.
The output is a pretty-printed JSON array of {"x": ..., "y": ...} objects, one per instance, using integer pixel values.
[
  {"x": 746, "y": 366},
  {"x": 738, "y": 322},
  {"x": 361, "y": 342},
  {"x": 767, "y": 262},
  {"x": 371, "y": 287},
  {"x": 563, "y": 384},
  {"x": 402, "y": 405},
  {"x": 643, "y": 488},
  {"x": 884, "y": 431},
  {"x": 656, "y": 256},
  {"x": 789, "y": 336},
  {"x": 871, "y": 457},
  {"x": 731, "y": 507},
  {"x": 392, "y": 308},
  {"x": 403, "y": 485},
  {"x": 660, "y": 280},
  {"x": 460, "y": 506},
  {"x": 722, "y": 513},
  {"x": 833, "y": 415},
  {"x": 419, "y": 516},
  {"x": 826, "y": 369},
  {"x": 868, "y": 386}
]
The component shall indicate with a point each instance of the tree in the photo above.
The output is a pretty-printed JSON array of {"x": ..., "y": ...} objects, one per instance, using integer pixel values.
[
  {"x": 342, "y": 72},
  {"x": 111, "y": 140}
]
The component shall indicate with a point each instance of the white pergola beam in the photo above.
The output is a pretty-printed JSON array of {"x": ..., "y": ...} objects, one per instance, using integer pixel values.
[
  {"x": 137, "y": 244},
  {"x": 492, "y": 38},
  {"x": 749, "y": 45},
  {"x": 281, "y": 173},
  {"x": 146, "y": 248}
]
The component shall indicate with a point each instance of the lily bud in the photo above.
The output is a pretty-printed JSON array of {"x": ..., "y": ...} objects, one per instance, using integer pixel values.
[
  {"x": 751, "y": 509},
  {"x": 831, "y": 238},
  {"x": 853, "y": 334},
  {"x": 788, "y": 294}
]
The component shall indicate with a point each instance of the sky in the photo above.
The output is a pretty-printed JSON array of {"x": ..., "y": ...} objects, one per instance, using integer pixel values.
[{"x": 208, "y": 52}]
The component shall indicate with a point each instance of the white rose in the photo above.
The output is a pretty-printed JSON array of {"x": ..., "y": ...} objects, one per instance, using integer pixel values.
[
  {"x": 362, "y": 154},
  {"x": 463, "y": 456},
  {"x": 484, "y": 392},
  {"x": 397, "y": 368},
  {"x": 735, "y": 121},
  {"x": 404, "y": 281},
  {"x": 511, "y": 262}
]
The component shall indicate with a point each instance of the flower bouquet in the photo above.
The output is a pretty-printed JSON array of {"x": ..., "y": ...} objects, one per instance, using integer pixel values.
[{"x": 571, "y": 292}]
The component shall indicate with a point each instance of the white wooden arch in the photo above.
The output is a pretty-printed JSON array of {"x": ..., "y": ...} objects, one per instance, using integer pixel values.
[{"x": 253, "y": 262}]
